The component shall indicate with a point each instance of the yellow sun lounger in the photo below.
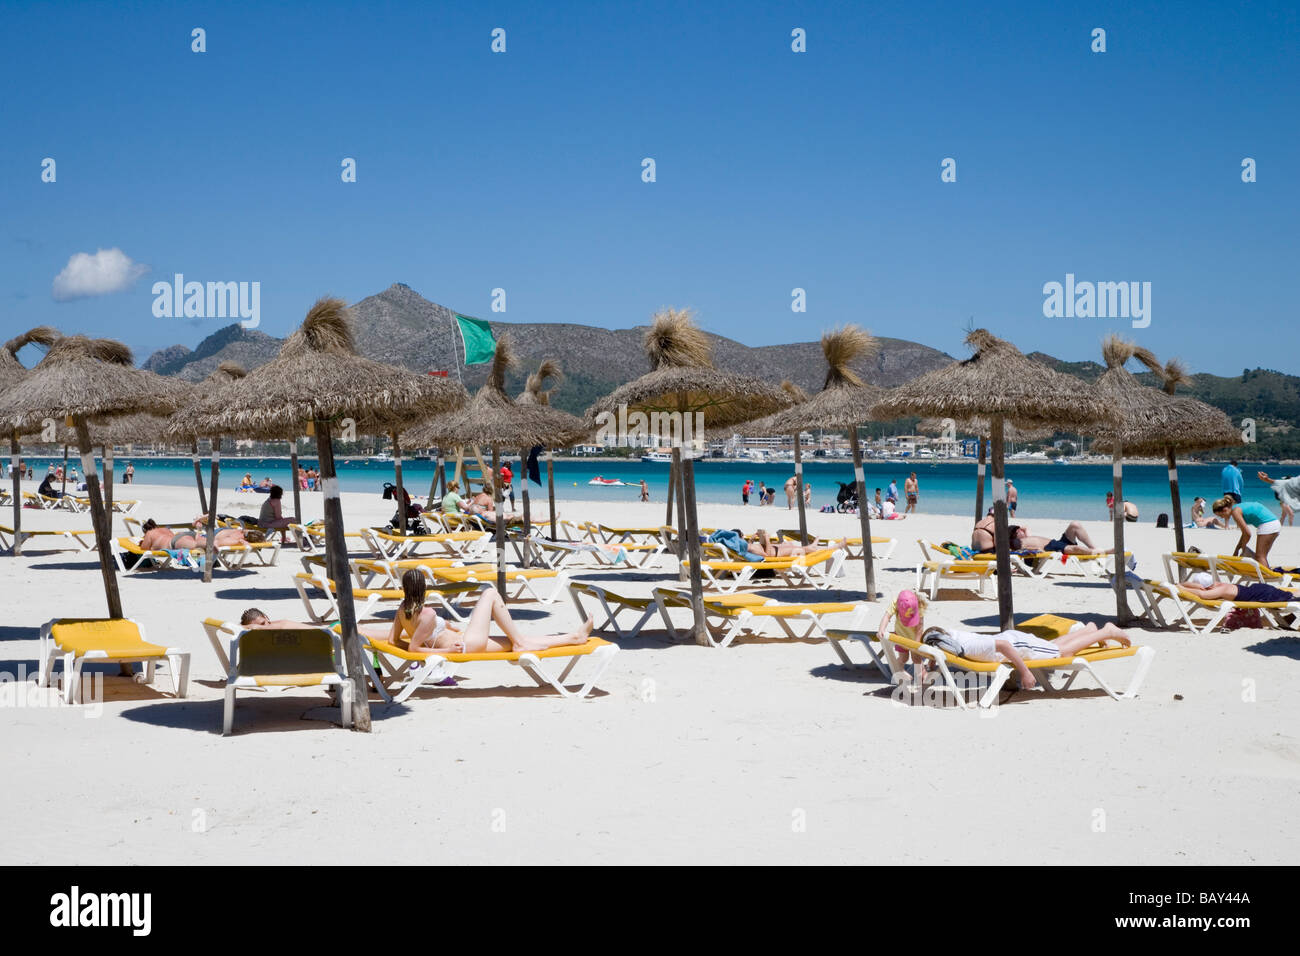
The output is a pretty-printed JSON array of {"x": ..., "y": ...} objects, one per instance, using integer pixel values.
[
  {"x": 988, "y": 678},
  {"x": 1180, "y": 565},
  {"x": 412, "y": 670},
  {"x": 311, "y": 537},
  {"x": 46, "y": 503},
  {"x": 1028, "y": 563},
  {"x": 818, "y": 569},
  {"x": 613, "y": 604},
  {"x": 78, "y": 640},
  {"x": 122, "y": 506},
  {"x": 522, "y": 578},
  {"x": 931, "y": 574},
  {"x": 882, "y": 549},
  {"x": 81, "y": 540},
  {"x": 728, "y": 616},
  {"x": 367, "y": 599},
  {"x": 388, "y": 571},
  {"x": 282, "y": 658},
  {"x": 1188, "y": 606},
  {"x": 454, "y": 544}
]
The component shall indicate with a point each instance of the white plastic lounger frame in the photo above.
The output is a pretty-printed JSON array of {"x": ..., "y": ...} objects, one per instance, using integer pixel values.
[{"x": 613, "y": 604}]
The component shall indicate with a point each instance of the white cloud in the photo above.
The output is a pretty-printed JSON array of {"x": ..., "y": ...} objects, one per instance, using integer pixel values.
[{"x": 86, "y": 275}]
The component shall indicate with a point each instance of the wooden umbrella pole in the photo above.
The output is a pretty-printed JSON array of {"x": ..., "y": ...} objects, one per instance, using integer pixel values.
[
  {"x": 1122, "y": 612},
  {"x": 336, "y": 564},
  {"x": 63, "y": 485},
  {"x": 297, "y": 495},
  {"x": 1177, "y": 500},
  {"x": 500, "y": 521},
  {"x": 864, "y": 515},
  {"x": 401, "y": 491},
  {"x": 693, "y": 550},
  {"x": 435, "y": 493},
  {"x": 672, "y": 490},
  {"x": 1002, "y": 537},
  {"x": 198, "y": 475},
  {"x": 107, "y": 566},
  {"x": 676, "y": 490},
  {"x": 979, "y": 483},
  {"x": 211, "y": 551},
  {"x": 15, "y": 473},
  {"x": 550, "y": 489},
  {"x": 108, "y": 486},
  {"x": 798, "y": 475},
  {"x": 522, "y": 478}
]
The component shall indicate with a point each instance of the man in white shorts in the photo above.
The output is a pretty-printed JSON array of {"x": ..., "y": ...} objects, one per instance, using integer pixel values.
[{"x": 1015, "y": 647}]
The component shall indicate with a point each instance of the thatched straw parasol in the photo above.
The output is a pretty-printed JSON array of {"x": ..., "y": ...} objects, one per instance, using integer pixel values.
[
  {"x": 536, "y": 393},
  {"x": 844, "y": 401},
  {"x": 83, "y": 379},
  {"x": 1000, "y": 383},
  {"x": 1146, "y": 417},
  {"x": 317, "y": 381},
  {"x": 1198, "y": 427},
  {"x": 493, "y": 418},
  {"x": 221, "y": 376},
  {"x": 980, "y": 428},
  {"x": 12, "y": 372},
  {"x": 684, "y": 394}
]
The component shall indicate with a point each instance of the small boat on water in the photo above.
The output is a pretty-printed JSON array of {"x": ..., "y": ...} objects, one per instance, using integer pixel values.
[
  {"x": 383, "y": 456},
  {"x": 661, "y": 457},
  {"x": 599, "y": 480}
]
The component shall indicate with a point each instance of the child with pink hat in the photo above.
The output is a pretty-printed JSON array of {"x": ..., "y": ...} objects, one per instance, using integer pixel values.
[{"x": 907, "y": 612}]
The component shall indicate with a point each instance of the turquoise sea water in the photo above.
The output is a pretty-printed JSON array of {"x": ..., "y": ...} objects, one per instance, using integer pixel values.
[{"x": 1046, "y": 490}]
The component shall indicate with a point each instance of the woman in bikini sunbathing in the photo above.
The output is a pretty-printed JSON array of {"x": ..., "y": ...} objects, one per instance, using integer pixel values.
[
  {"x": 421, "y": 629},
  {"x": 158, "y": 538},
  {"x": 788, "y": 549}
]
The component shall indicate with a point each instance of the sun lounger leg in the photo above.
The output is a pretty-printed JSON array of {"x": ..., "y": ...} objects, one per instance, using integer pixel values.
[
  {"x": 996, "y": 680},
  {"x": 600, "y": 659},
  {"x": 178, "y": 663}
]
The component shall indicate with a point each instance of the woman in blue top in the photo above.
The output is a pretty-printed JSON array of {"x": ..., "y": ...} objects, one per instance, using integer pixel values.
[{"x": 1246, "y": 514}]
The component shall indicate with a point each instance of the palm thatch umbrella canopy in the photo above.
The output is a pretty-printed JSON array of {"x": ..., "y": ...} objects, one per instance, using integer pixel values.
[
  {"x": 684, "y": 394},
  {"x": 12, "y": 372},
  {"x": 1197, "y": 427},
  {"x": 319, "y": 381},
  {"x": 536, "y": 393},
  {"x": 1000, "y": 383},
  {"x": 83, "y": 380},
  {"x": 494, "y": 419},
  {"x": 844, "y": 401},
  {"x": 1147, "y": 416}
]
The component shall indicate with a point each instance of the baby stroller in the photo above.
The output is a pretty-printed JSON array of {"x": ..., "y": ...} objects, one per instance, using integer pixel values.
[
  {"x": 847, "y": 499},
  {"x": 414, "y": 514}
]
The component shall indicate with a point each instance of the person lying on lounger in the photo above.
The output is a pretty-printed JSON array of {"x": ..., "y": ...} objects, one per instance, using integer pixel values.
[
  {"x": 1202, "y": 585},
  {"x": 422, "y": 629},
  {"x": 1073, "y": 540},
  {"x": 157, "y": 538},
  {"x": 788, "y": 549},
  {"x": 1014, "y": 647}
]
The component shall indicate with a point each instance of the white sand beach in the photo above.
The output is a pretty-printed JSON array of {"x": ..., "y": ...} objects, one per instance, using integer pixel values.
[{"x": 767, "y": 751}]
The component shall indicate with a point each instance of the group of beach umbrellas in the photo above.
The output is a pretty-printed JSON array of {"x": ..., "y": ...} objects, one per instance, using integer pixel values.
[{"x": 319, "y": 385}]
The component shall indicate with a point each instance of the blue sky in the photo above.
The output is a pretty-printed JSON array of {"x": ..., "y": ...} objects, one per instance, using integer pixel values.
[{"x": 775, "y": 170}]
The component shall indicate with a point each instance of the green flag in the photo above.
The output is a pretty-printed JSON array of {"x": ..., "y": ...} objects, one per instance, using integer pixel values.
[{"x": 476, "y": 335}]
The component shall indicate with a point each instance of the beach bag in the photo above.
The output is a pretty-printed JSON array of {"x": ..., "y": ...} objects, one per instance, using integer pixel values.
[
  {"x": 1248, "y": 617},
  {"x": 1162, "y": 520},
  {"x": 254, "y": 535}
]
